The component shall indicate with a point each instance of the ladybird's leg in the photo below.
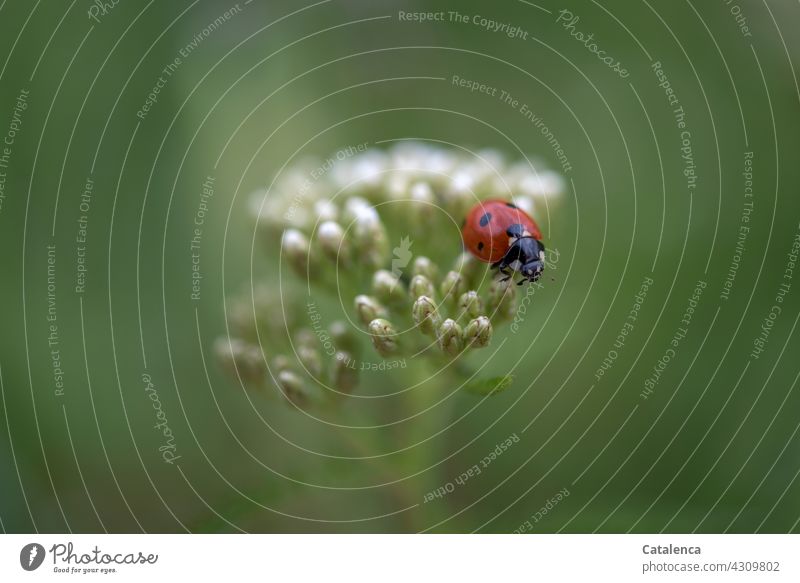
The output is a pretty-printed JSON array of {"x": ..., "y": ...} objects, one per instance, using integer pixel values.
[{"x": 499, "y": 265}]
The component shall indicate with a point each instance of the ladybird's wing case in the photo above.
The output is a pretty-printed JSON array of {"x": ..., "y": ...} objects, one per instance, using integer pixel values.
[
  {"x": 536, "y": 232},
  {"x": 482, "y": 235},
  {"x": 497, "y": 229},
  {"x": 496, "y": 234},
  {"x": 486, "y": 246},
  {"x": 519, "y": 216}
]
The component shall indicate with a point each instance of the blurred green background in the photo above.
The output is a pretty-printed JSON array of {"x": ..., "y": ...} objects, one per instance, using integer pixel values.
[{"x": 714, "y": 448}]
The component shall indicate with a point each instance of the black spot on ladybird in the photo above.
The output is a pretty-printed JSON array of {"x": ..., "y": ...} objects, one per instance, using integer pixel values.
[
  {"x": 485, "y": 219},
  {"x": 480, "y": 245},
  {"x": 512, "y": 205}
]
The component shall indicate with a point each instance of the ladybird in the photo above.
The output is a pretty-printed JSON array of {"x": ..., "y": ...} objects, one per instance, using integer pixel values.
[{"x": 500, "y": 233}]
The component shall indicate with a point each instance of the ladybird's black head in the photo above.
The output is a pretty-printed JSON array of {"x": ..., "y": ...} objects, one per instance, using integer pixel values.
[
  {"x": 533, "y": 270},
  {"x": 531, "y": 256}
]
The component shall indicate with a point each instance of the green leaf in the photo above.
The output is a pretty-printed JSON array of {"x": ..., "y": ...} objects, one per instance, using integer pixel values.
[{"x": 491, "y": 386}]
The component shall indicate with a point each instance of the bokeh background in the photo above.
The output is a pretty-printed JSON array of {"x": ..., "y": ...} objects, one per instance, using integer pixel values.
[{"x": 714, "y": 448}]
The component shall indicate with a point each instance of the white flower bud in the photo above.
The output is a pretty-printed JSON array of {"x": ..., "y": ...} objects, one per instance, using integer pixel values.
[
  {"x": 370, "y": 241},
  {"x": 333, "y": 243},
  {"x": 293, "y": 388},
  {"x": 311, "y": 360},
  {"x": 281, "y": 362},
  {"x": 368, "y": 308},
  {"x": 296, "y": 252},
  {"x": 426, "y": 315},
  {"x": 460, "y": 195},
  {"x": 383, "y": 336},
  {"x": 543, "y": 184},
  {"x": 451, "y": 337},
  {"x": 478, "y": 332},
  {"x": 470, "y": 268},
  {"x": 525, "y": 203},
  {"x": 305, "y": 337},
  {"x": 423, "y": 203},
  {"x": 453, "y": 285},
  {"x": 353, "y": 206},
  {"x": 326, "y": 210},
  {"x": 420, "y": 286},
  {"x": 424, "y": 266},
  {"x": 343, "y": 337},
  {"x": 368, "y": 171},
  {"x": 344, "y": 375},
  {"x": 387, "y": 287},
  {"x": 241, "y": 359},
  {"x": 396, "y": 186},
  {"x": 500, "y": 302},
  {"x": 470, "y": 305}
]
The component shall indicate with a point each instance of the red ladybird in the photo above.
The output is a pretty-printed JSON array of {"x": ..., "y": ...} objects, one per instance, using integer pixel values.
[{"x": 500, "y": 233}]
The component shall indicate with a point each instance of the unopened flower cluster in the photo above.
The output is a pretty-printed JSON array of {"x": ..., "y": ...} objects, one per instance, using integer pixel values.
[{"x": 375, "y": 234}]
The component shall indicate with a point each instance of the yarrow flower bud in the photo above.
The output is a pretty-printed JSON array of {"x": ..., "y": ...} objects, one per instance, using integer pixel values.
[
  {"x": 470, "y": 305},
  {"x": 296, "y": 251},
  {"x": 343, "y": 337},
  {"x": 387, "y": 287},
  {"x": 424, "y": 266},
  {"x": 369, "y": 236},
  {"x": 420, "y": 286},
  {"x": 306, "y": 338},
  {"x": 344, "y": 375},
  {"x": 311, "y": 360},
  {"x": 281, "y": 362},
  {"x": 470, "y": 269},
  {"x": 326, "y": 210},
  {"x": 293, "y": 388},
  {"x": 453, "y": 285},
  {"x": 368, "y": 308},
  {"x": 540, "y": 184},
  {"x": 333, "y": 243},
  {"x": 451, "y": 337},
  {"x": 501, "y": 300},
  {"x": 525, "y": 203},
  {"x": 424, "y": 205},
  {"x": 478, "y": 332},
  {"x": 397, "y": 187},
  {"x": 353, "y": 207},
  {"x": 242, "y": 360},
  {"x": 426, "y": 315},
  {"x": 459, "y": 195},
  {"x": 383, "y": 336}
]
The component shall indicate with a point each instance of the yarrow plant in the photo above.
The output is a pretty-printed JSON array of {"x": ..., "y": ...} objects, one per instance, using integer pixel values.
[{"x": 372, "y": 240}]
